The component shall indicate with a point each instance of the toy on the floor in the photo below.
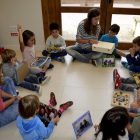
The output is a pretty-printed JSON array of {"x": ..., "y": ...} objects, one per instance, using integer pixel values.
[
  {"x": 120, "y": 99},
  {"x": 46, "y": 113},
  {"x": 137, "y": 79},
  {"x": 82, "y": 124},
  {"x": 108, "y": 61},
  {"x": 21, "y": 72},
  {"x": 105, "y": 47},
  {"x": 39, "y": 62}
]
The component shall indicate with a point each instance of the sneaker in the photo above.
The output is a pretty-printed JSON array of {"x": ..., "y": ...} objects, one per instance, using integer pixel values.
[
  {"x": 117, "y": 83},
  {"x": 125, "y": 64},
  {"x": 67, "y": 105},
  {"x": 41, "y": 74},
  {"x": 45, "y": 80},
  {"x": 94, "y": 62},
  {"x": 61, "y": 59},
  {"x": 52, "y": 99},
  {"x": 50, "y": 66},
  {"x": 73, "y": 59},
  {"x": 17, "y": 92},
  {"x": 115, "y": 74},
  {"x": 39, "y": 90}
]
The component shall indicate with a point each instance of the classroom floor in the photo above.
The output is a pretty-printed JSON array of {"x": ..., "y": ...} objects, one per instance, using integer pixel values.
[{"x": 89, "y": 87}]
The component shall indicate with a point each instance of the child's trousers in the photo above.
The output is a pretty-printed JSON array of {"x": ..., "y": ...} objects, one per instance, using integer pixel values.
[
  {"x": 35, "y": 70},
  {"x": 27, "y": 83},
  {"x": 9, "y": 114},
  {"x": 133, "y": 67},
  {"x": 125, "y": 81},
  {"x": 52, "y": 55}
]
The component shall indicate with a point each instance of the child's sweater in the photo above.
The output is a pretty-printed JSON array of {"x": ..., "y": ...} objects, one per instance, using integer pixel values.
[{"x": 9, "y": 70}]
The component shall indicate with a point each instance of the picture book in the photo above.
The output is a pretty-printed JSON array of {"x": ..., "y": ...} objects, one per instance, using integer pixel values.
[
  {"x": 21, "y": 72},
  {"x": 137, "y": 79},
  {"x": 39, "y": 62},
  {"x": 105, "y": 47},
  {"x": 120, "y": 99},
  {"x": 82, "y": 124},
  {"x": 108, "y": 61},
  {"x": 54, "y": 50},
  {"x": 46, "y": 113}
]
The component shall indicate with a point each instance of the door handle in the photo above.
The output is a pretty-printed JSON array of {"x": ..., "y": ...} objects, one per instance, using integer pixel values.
[{"x": 110, "y": 1}]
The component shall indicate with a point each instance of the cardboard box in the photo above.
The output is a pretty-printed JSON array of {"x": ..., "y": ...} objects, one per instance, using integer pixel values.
[
  {"x": 21, "y": 72},
  {"x": 105, "y": 47}
]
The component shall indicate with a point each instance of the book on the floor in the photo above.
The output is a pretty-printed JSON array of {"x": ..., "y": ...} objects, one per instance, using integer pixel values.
[
  {"x": 108, "y": 61},
  {"x": 120, "y": 99},
  {"x": 105, "y": 47},
  {"x": 82, "y": 124},
  {"x": 137, "y": 79},
  {"x": 39, "y": 62},
  {"x": 46, "y": 113},
  {"x": 21, "y": 72}
]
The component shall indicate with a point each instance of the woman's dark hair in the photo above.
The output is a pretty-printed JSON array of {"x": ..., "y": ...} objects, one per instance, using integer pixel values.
[
  {"x": 114, "y": 123},
  {"x": 54, "y": 26},
  {"x": 94, "y": 12},
  {"x": 27, "y": 34}
]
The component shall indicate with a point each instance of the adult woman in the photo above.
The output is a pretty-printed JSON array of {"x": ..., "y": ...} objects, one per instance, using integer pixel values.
[
  {"x": 8, "y": 101},
  {"x": 87, "y": 34}
]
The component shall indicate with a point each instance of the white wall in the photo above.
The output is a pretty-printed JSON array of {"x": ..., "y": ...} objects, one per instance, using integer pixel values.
[{"x": 27, "y": 13}]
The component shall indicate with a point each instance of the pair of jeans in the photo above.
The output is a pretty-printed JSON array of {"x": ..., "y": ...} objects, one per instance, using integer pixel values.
[
  {"x": 52, "y": 55},
  {"x": 9, "y": 114},
  {"x": 27, "y": 83},
  {"x": 132, "y": 66},
  {"x": 125, "y": 84},
  {"x": 131, "y": 136},
  {"x": 83, "y": 55}
]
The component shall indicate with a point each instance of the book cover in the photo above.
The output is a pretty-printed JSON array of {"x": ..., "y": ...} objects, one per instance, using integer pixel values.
[
  {"x": 21, "y": 72},
  {"x": 120, "y": 99},
  {"x": 108, "y": 61},
  {"x": 82, "y": 124},
  {"x": 39, "y": 62},
  {"x": 46, "y": 113}
]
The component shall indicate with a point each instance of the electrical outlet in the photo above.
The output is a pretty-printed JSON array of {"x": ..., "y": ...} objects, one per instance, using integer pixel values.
[{"x": 13, "y": 28}]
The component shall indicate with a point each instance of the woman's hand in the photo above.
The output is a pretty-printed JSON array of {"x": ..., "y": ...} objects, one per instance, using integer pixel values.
[
  {"x": 24, "y": 60},
  {"x": 93, "y": 42}
]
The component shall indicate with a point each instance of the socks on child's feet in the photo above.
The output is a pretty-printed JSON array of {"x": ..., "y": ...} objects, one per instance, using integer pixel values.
[{"x": 125, "y": 64}]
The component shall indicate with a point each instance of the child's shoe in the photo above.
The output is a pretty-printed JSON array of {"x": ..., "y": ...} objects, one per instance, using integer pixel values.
[
  {"x": 115, "y": 74},
  {"x": 61, "y": 59},
  {"x": 50, "y": 66},
  {"x": 39, "y": 90},
  {"x": 125, "y": 64},
  {"x": 52, "y": 100},
  {"x": 45, "y": 80},
  {"x": 41, "y": 74},
  {"x": 66, "y": 105},
  {"x": 17, "y": 92},
  {"x": 94, "y": 62},
  {"x": 117, "y": 83}
]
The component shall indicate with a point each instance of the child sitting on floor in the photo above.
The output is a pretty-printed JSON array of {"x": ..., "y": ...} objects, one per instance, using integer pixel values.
[
  {"x": 113, "y": 125},
  {"x": 10, "y": 63},
  {"x": 133, "y": 59},
  {"x": 30, "y": 126},
  {"x": 111, "y": 37},
  {"x": 27, "y": 42},
  {"x": 55, "y": 42}
]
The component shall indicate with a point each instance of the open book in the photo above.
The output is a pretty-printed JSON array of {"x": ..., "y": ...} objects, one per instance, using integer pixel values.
[{"x": 46, "y": 113}]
